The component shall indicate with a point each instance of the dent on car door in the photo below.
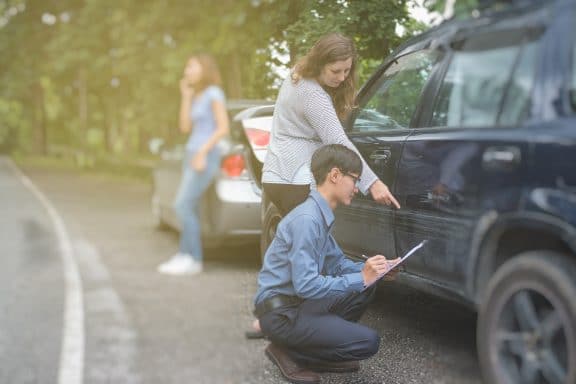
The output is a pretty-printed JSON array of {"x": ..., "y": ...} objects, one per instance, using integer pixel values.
[
  {"x": 468, "y": 162},
  {"x": 381, "y": 124}
]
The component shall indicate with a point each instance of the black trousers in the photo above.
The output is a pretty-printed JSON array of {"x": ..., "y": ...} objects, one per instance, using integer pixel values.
[
  {"x": 323, "y": 329},
  {"x": 285, "y": 196}
]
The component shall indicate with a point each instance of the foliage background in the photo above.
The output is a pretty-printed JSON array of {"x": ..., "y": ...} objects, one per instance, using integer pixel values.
[{"x": 99, "y": 78}]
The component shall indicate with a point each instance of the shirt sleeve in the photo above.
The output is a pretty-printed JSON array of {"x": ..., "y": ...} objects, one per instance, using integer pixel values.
[
  {"x": 215, "y": 94},
  {"x": 307, "y": 280},
  {"x": 336, "y": 263},
  {"x": 320, "y": 113}
]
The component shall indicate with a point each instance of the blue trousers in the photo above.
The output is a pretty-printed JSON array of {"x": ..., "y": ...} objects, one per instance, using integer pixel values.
[
  {"x": 323, "y": 329},
  {"x": 187, "y": 204}
]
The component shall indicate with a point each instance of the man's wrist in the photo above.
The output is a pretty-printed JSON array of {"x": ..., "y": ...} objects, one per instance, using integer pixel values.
[{"x": 356, "y": 280}]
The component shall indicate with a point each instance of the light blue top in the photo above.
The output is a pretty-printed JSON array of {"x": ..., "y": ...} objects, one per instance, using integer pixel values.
[
  {"x": 202, "y": 117},
  {"x": 304, "y": 260}
]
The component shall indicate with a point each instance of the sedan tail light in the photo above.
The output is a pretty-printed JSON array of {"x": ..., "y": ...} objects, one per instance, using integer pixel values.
[
  {"x": 233, "y": 165},
  {"x": 258, "y": 137}
]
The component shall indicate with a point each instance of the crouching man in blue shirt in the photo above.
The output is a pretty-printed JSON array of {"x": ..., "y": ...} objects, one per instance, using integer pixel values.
[{"x": 310, "y": 296}]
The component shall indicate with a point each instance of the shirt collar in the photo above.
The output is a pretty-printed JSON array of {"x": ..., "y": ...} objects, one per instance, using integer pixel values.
[{"x": 325, "y": 209}]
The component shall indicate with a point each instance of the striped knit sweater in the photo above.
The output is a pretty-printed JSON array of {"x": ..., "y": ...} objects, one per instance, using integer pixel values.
[{"x": 304, "y": 120}]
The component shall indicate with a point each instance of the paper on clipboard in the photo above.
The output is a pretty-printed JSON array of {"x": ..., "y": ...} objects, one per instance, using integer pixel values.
[
  {"x": 407, "y": 255},
  {"x": 411, "y": 252}
]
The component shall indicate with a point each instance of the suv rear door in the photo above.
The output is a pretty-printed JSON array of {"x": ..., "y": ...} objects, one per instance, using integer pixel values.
[{"x": 386, "y": 108}]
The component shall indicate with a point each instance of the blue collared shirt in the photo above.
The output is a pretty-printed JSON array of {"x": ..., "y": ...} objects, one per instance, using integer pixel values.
[{"x": 304, "y": 260}]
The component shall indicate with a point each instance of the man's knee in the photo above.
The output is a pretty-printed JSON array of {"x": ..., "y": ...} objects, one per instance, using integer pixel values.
[
  {"x": 371, "y": 345},
  {"x": 366, "y": 345}
]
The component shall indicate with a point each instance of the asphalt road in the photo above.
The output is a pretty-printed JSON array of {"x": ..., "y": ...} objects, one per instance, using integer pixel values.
[{"x": 138, "y": 326}]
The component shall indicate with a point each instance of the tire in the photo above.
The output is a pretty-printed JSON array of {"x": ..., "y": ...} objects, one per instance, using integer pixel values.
[
  {"x": 527, "y": 321},
  {"x": 270, "y": 220}
]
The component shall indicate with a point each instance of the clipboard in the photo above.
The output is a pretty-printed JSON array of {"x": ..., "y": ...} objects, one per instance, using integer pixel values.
[{"x": 402, "y": 259}]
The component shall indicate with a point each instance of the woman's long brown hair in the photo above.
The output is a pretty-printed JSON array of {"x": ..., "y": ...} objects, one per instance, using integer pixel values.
[
  {"x": 329, "y": 49},
  {"x": 210, "y": 71}
]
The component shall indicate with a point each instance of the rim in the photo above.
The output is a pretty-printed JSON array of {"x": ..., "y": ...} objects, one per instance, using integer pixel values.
[{"x": 530, "y": 342}]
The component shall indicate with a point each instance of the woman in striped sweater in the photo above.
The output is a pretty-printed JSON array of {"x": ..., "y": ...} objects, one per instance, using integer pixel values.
[{"x": 311, "y": 105}]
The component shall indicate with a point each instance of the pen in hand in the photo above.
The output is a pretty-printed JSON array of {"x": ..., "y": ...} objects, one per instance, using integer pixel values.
[{"x": 391, "y": 264}]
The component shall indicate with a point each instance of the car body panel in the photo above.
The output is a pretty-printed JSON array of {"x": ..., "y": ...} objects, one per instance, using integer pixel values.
[
  {"x": 443, "y": 186},
  {"x": 361, "y": 227}
]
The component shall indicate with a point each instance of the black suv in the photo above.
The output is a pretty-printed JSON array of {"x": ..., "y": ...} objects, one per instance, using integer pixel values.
[{"x": 473, "y": 127}]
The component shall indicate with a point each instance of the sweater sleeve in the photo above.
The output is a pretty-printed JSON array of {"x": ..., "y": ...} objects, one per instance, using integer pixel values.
[{"x": 320, "y": 113}]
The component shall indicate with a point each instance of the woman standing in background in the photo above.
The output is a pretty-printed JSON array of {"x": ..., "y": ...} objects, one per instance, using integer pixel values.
[{"x": 204, "y": 117}]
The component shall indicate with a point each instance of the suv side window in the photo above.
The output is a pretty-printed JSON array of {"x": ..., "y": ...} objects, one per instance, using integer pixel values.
[
  {"x": 397, "y": 93},
  {"x": 488, "y": 82}
]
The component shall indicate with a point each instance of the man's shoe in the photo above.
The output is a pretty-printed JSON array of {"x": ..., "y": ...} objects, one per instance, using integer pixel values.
[
  {"x": 334, "y": 366},
  {"x": 289, "y": 368}
]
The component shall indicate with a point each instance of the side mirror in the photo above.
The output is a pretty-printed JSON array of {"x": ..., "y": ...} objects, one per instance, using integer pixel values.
[{"x": 155, "y": 145}]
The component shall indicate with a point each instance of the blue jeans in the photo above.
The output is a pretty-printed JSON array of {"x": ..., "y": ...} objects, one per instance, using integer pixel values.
[{"x": 187, "y": 203}]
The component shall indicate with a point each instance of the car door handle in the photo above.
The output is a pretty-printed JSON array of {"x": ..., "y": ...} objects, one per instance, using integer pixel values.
[
  {"x": 507, "y": 157},
  {"x": 381, "y": 156}
]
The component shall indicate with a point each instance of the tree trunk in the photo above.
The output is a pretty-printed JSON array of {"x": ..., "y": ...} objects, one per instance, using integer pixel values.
[{"x": 234, "y": 77}]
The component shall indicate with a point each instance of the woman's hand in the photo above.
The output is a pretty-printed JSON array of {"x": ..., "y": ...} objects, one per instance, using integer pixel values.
[
  {"x": 198, "y": 161},
  {"x": 381, "y": 194},
  {"x": 185, "y": 89}
]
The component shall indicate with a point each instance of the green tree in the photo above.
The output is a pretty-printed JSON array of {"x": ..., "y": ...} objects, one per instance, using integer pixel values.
[{"x": 102, "y": 76}]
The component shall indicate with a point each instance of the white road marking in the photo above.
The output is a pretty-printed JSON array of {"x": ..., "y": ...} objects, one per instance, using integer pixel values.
[
  {"x": 114, "y": 359},
  {"x": 71, "y": 365}
]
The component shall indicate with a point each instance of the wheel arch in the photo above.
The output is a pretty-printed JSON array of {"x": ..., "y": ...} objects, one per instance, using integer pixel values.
[
  {"x": 506, "y": 236},
  {"x": 270, "y": 216}
]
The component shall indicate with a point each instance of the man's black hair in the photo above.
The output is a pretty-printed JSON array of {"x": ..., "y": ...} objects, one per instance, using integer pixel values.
[{"x": 334, "y": 156}]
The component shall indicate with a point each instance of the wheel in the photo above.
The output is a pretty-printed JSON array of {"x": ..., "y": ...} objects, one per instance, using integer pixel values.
[
  {"x": 527, "y": 321},
  {"x": 157, "y": 218},
  {"x": 270, "y": 221}
]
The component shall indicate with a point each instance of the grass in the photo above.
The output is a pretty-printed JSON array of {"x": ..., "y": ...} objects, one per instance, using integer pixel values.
[{"x": 116, "y": 166}]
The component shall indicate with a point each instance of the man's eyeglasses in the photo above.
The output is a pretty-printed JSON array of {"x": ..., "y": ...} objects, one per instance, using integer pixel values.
[{"x": 355, "y": 178}]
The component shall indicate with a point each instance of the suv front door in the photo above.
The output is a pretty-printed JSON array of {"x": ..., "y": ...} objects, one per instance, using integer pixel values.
[{"x": 379, "y": 128}]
